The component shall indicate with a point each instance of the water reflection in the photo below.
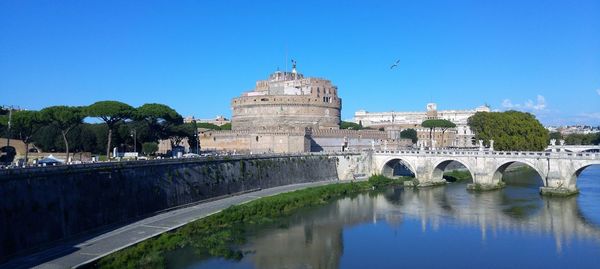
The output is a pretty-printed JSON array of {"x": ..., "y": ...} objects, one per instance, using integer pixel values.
[{"x": 388, "y": 224}]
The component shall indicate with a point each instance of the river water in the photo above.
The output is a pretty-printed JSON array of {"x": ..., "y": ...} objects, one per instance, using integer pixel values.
[{"x": 440, "y": 227}]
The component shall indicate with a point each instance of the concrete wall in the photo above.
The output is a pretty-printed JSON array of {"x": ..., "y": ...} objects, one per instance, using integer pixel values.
[{"x": 41, "y": 205}]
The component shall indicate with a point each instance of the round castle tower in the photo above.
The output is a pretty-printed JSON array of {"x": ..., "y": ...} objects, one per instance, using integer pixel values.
[{"x": 288, "y": 100}]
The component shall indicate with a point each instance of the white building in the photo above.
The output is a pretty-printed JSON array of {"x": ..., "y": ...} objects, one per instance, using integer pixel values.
[{"x": 463, "y": 134}]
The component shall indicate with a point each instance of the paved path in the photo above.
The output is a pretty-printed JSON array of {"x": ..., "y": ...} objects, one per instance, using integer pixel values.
[{"x": 74, "y": 255}]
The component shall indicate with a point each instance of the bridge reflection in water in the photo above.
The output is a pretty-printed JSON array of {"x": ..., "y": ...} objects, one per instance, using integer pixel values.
[{"x": 320, "y": 237}]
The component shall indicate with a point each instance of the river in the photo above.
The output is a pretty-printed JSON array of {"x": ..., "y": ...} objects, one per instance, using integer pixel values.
[{"x": 440, "y": 227}]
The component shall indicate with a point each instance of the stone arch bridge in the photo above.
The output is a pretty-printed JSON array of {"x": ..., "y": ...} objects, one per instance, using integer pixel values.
[{"x": 559, "y": 170}]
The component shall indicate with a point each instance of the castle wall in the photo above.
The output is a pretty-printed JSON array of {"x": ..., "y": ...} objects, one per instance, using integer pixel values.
[
  {"x": 254, "y": 112},
  {"x": 255, "y": 142}
]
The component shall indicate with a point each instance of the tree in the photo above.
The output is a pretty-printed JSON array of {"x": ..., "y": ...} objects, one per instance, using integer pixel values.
[
  {"x": 582, "y": 139},
  {"x": 64, "y": 118},
  {"x": 445, "y": 125},
  {"x": 350, "y": 125},
  {"x": 210, "y": 126},
  {"x": 437, "y": 123},
  {"x": 410, "y": 134},
  {"x": 179, "y": 132},
  {"x": 149, "y": 148},
  {"x": 111, "y": 112},
  {"x": 510, "y": 130},
  {"x": 556, "y": 135},
  {"x": 160, "y": 118},
  {"x": 25, "y": 124},
  {"x": 226, "y": 126}
]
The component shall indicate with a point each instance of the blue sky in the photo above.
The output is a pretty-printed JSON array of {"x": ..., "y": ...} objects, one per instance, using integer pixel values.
[{"x": 537, "y": 56}]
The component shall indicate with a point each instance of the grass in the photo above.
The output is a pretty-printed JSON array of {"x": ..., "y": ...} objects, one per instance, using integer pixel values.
[
  {"x": 215, "y": 235},
  {"x": 458, "y": 175}
]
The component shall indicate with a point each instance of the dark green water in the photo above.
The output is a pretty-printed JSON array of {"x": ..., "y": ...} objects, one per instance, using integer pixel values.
[{"x": 442, "y": 227}]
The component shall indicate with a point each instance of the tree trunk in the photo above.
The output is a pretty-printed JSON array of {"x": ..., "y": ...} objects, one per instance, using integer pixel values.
[
  {"x": 443, "y": 131},
  {"x": 26, "y": 152},
  {"x": 64, "y": 134},
  {"x": 430, "y": 137},
  {"x": 108, "y": 144}
]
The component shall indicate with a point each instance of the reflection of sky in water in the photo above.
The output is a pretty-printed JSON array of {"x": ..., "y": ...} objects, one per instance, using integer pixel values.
[
  {"x": 589, "y": 196},
  {"x": 433, "y": 228}
]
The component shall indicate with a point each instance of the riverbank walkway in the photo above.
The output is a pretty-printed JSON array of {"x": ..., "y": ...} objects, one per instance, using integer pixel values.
[{"x": 83, "y": 251}]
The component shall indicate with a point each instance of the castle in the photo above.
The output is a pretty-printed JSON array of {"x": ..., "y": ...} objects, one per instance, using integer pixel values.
[{"x": 291, "y": 113}]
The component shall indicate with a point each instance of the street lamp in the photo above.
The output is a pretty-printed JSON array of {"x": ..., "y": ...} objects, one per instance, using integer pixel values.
[
  {"x": 134, "y": 135},
  {"x": 196, "y": 136},
  {"x": 10, "y": 108}
]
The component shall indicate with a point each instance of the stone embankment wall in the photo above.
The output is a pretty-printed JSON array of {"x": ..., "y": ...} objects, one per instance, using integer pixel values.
[{"x": 39, "y": 206}]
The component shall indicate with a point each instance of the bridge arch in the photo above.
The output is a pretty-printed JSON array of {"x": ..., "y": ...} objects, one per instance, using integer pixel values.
[
  {"x": 572, "y": 180},
  {"x": 440, "y": 167},
  {"x": 390, "y": 165},
  {"x": 501, "y": 169}
]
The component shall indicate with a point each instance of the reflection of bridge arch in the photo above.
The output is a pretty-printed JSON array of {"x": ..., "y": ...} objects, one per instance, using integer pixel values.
[
  {"x": 389, "y": 165},
  {"x": 501, "y": 169},
  {"x": 438, "y": 170}
]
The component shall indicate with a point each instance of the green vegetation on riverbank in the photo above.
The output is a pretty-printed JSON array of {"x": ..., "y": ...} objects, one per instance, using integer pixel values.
[
  {"x": 458, "y": 175},
  {"x": 215, "y": 235},
  {"x": 380, "y": 181}
]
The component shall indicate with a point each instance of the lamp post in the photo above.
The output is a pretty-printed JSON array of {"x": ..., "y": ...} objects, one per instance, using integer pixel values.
[
  {"x": 134, "y": 135},
  {"x": 8, "y": 130},
  {"x": 196, "y": 137}
]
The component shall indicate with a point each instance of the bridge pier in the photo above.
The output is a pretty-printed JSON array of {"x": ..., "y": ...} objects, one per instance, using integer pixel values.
[
  {"x": 560, "y": 178},
  {"x": 484, "y": 181},
  {"x": 552, "y": 191},
  {"x": 425, "y": 175},
  {"x": 424, "y": 183}
]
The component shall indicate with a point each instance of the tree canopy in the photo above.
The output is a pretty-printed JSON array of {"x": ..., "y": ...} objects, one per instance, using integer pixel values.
[
  {"x": 582, "y": 139},
  {"x": 149, "y": 148},
  {"x": 409, "y": 134},
  {"x": 350, "y": 125},
  {"x": 25, "y": 124},
  {"x": 432, "y": 124},
  {"x": 110, "y": 112},
  {"x": 438, "y": 123},
  {"x": 64, "y": 118},
  {"x": 510, "y": 130},
  {"x": 159, "y": 118},
  {"x": 226, "y": 126}
]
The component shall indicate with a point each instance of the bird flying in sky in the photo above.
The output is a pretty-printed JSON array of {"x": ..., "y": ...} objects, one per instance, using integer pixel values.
[{"x": 395, "y": 64}]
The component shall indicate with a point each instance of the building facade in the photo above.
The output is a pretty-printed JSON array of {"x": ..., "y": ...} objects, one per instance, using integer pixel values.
[
  {"x": 288, "y": 100},
  {"x": 218, "y": 121},
  {"x": 395, "y": 122}
]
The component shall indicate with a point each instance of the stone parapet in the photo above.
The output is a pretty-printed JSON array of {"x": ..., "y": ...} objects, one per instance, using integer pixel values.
[{"x": 367, "y": 134}]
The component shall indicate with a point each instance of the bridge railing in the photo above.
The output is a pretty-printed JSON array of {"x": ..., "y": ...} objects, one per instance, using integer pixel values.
[{"x": 526, "y": 154}]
